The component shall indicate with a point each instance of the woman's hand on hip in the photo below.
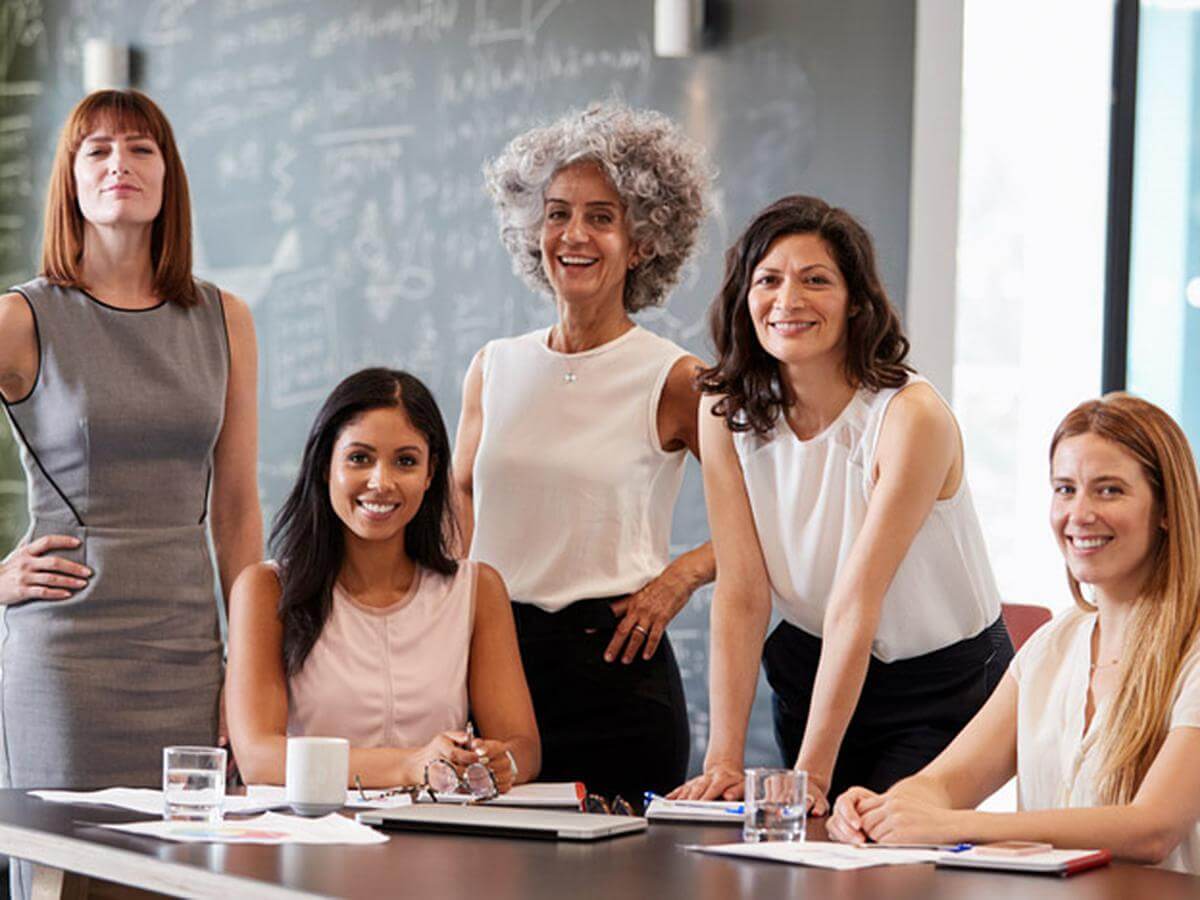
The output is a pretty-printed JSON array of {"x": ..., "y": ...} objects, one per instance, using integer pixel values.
[
  {"x": 645, "y": 615},
  {"x": 30, "y": 574}
]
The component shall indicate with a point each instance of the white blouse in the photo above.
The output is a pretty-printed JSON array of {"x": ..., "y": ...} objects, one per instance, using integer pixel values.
[
  {"x": 1058, "y": 764},
  {"x": 574, "y": 494},
  {"x": 810, "y": 500}
]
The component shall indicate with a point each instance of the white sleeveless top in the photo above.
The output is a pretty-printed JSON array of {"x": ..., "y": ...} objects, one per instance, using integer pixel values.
[
  {"x": 390, "y": 676},
  {"x": 809, "y": 500},
  {"x": 573, "y": 492}
]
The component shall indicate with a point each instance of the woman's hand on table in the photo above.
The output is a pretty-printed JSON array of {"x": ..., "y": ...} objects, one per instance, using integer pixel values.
[
  {"x": 860, "y": 815},
  {"x": 718, "y": 782},
  {"x": 645, "y": 614},
  {"x": 845, "y": 821},
  {"x": 28, "y": 573},
  {"x": 816, "y": 798}
]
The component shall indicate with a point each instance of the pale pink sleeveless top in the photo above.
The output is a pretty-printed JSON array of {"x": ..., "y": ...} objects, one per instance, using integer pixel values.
[{"x": 393, "y": 676}]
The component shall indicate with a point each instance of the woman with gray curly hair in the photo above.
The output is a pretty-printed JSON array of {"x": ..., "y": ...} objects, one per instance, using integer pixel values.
[{"x": 573, "y": 438}]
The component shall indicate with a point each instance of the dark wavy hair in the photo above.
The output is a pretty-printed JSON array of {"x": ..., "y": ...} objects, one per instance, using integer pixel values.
[
  {"x": 744, "y": 373},
  {"x": 306, "y": 537}
]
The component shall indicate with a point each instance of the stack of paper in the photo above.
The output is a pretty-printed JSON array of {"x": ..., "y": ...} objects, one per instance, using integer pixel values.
[
  {"x": 269, "y": 828},
  {"x": 149, "y": 801},
  {"x": 824, "y": 855}
]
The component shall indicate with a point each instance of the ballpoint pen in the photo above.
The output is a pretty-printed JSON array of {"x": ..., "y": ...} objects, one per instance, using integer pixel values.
[{"x": 945, "y": 848}]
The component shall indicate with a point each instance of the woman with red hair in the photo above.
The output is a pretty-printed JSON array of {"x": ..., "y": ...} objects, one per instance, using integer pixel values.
[{"x": 130, "y": 387}]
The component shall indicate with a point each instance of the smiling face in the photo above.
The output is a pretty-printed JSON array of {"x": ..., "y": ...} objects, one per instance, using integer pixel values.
[
  {"x": 798, "y": 301},
  {"x": 586, "y": 251},
  {"x": 119, "y": 177},
  {"x": 1104, "y": 515},
  {"x": 378, "y": 474}
]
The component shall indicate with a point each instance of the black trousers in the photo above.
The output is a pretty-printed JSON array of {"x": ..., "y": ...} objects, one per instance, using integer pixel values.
[
  {"x": 908, "y": 712},
  {"x": 620, "y": 729}
]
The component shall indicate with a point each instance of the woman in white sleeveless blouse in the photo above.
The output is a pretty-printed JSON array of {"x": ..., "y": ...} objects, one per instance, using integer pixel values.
[
  {"x": 835, "y": 489},
  {"x": 366, "y": 627},
  {"x": 1099, "y": 715},
  {"x": 572, "y": 441}
]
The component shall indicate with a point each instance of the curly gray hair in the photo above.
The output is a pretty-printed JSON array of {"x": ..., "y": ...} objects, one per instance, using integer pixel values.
[{"x": 662, "y": 177}]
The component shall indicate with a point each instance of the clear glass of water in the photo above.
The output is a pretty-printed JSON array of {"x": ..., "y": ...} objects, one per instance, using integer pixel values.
[
  {"x": 775, "y": 807},
  {"x": 193, "y": 784}
]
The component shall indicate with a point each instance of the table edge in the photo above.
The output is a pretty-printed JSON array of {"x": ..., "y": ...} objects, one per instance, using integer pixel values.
[{"x": 134, "y": 869}]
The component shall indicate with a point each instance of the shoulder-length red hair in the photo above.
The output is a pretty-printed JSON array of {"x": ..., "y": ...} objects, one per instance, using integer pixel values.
[{"x": 171, "y": 233}]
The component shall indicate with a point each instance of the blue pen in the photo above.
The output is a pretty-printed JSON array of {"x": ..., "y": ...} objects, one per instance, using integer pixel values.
[
  {"x": 945, "y": 848},
  {"x": 738, "y": 810}
]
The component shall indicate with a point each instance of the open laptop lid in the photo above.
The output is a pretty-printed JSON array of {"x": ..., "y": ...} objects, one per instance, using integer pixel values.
[{"x": 522, "y": 823}]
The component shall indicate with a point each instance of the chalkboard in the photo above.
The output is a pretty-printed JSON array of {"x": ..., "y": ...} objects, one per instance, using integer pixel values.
[{"x": 334, "y": 152}]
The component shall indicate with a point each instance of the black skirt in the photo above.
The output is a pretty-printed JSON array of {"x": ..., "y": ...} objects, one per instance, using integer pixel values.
[
  {"x": 909, "y": 710},
  {"x": 620, "y": 729}
]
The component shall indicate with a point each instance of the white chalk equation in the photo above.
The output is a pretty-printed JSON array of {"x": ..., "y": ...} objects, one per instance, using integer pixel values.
[
  {"x": 401, "y": 21},
  {"x": 302, "y": 339},
  {"x": 502, "y": 21}
]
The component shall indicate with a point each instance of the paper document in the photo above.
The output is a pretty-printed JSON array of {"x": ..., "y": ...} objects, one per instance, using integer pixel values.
[
  {"x": 822, "y": 854},
  {"x": 274, "y": 796},
  {"x": 661, "y": 809},
  {"x": 269, "y": 828},
  {"x": 146, "y": 800}
]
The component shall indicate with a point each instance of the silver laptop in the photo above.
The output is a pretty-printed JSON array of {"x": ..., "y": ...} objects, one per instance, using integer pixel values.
[{"x": 503, "y": 822}]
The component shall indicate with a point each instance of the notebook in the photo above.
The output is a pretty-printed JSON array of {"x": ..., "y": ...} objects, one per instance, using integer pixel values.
[
  {"x": 1048, "y": 862},
  {"x": 659, "y": 809},
  {"x": 489, "y": 820}
]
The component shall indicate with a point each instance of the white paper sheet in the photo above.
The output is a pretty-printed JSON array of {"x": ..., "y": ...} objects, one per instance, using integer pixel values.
[
  {"x": 823, "y": 854},
  {"x": 269, "y": 828},
  {"x": 564, "y": 794},
  {"x": 146, "y": 800},
  {"x": 273, "y": 796}
]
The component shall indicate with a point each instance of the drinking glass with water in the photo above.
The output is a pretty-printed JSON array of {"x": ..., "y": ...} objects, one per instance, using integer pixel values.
[
  {"x": 775, "y": 807},
  {"x": 193, "y": 784}
]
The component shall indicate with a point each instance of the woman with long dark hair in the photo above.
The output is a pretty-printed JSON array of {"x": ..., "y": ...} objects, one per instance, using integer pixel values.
[
  {"x": 835, "y": 488},
  {"x": 365, "y": 626}
]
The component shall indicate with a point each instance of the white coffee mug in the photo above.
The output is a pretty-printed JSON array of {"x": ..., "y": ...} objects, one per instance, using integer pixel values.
[{"x": 318, "y": 769}]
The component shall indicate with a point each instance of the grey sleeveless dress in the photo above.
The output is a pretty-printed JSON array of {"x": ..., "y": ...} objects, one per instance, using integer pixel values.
[{"x": 116, "y": 440}]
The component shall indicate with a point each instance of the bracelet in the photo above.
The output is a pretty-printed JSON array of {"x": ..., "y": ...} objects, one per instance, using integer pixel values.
[{"x": 512, "y": 761}]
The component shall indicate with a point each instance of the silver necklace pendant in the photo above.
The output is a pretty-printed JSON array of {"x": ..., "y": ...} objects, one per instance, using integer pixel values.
[{"x": 569, "y": 378}]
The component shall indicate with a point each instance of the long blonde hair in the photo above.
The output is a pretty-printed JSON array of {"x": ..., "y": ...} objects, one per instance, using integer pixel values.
[{"x": 1164, "y": 623}]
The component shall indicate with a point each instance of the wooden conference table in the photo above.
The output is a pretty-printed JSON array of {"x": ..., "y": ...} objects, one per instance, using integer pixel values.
[{"x": 651, "y": 864}]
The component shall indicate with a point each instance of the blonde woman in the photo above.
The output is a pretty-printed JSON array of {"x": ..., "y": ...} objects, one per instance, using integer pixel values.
[{"x": 1099, "y": 715}]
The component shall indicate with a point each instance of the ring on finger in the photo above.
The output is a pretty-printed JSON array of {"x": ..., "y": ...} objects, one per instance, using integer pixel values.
[{"x": 642, "y": 628}]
